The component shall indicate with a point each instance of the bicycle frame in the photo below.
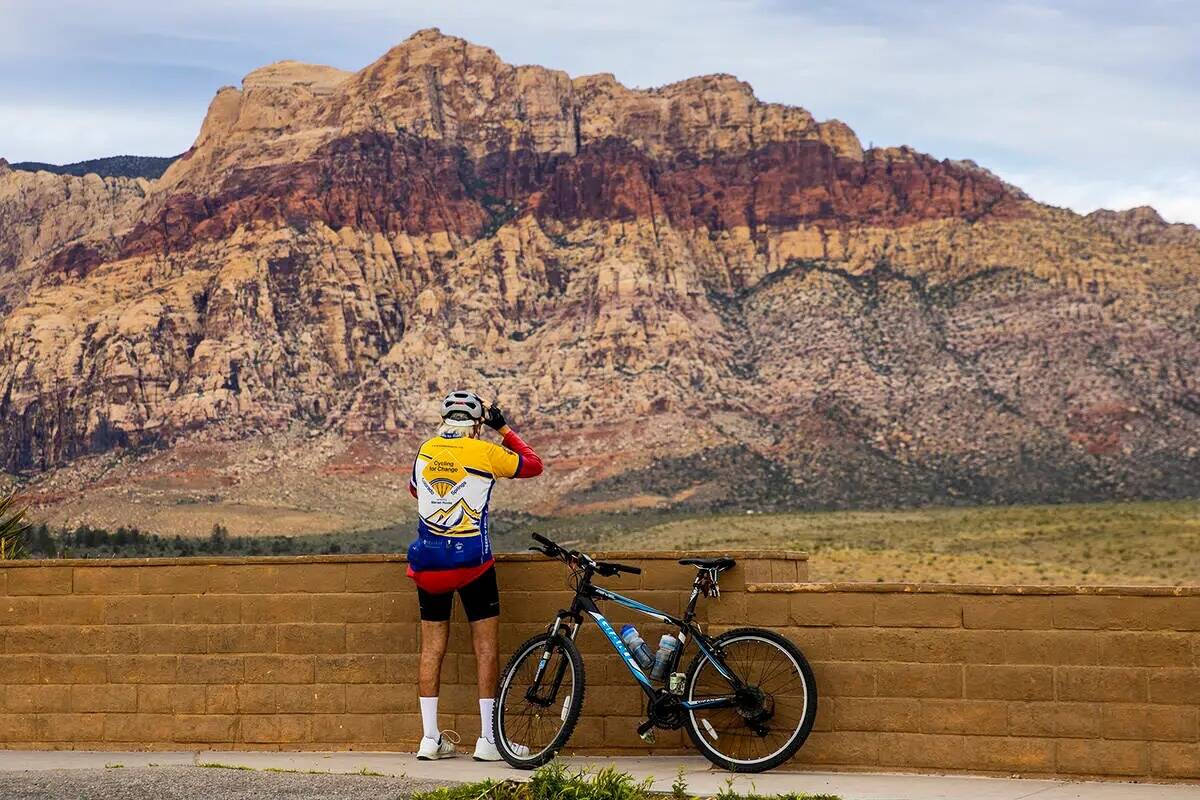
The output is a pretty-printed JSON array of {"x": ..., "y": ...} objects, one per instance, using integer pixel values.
[{"x": 585, "y": 601}]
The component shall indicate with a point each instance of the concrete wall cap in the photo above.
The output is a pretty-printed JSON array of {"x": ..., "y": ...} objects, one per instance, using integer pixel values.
[{"x": 972, "y": 588}]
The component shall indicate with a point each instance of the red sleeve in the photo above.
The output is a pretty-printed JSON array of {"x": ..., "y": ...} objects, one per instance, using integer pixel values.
[{"x": 529, "y": 464}]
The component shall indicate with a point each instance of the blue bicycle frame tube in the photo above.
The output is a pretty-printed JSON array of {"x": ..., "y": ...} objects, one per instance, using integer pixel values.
[{"x": 632, "y": 664}]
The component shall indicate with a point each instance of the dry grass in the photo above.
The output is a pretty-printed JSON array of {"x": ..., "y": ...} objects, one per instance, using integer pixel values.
[{"x": 1113, "y": 543}]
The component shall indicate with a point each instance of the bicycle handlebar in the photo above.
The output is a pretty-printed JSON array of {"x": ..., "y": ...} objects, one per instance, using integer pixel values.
[{"x": 575, "y": 557}]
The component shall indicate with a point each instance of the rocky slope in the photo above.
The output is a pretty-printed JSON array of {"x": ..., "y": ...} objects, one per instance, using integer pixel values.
[{"x": 687, "y": 295}]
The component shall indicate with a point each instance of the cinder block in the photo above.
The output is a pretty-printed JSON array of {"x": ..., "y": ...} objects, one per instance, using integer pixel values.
[
  {"x": 1094, "y": 757},
  {"x": 259, "y": 729},
  {"x": 1150, "y": 649},
  {"x": 844, "y": 679},
  {"x": 174, "y": 639},
  {"x": 279, "y": 669},
  {"x": 54, "y": 728},
  {"x": 101, "y": 639},
  {"x": 385, "y": 637},
  {"x": 59, "y": 669},
  {"x": 18, "y": 728},
  {"x": 312, "y": 698},
  {"x": 155, "y": 699},
  {"x": 211, "y": 609},
  {"x": 205, "y": 669},
  {"x": 351, "y": 669},
  {"x": 347, "y": 728},
  {"x": 906, "y": 610},
  {"x": 26, "y": 669},
  {"x": 307, "y": 578},
  {"x": 141, "y": 669},
  {"x": 385, "y": 698},
  {"x": 919, "y": 680},
  {"x": 975, "y": 717},
  {"x": 343, "y": 608},
  {"x": 1078, "y": 720},
  {"x": 385, "y": 577},
  {"x": 103, "y": 697},
  {"x": 22, "y": 610},
  {"x": 267, "y": 609},
  {"x": 59, "y": 609},
  {"x": 242, "y": 639},
  {"x": 38, "y": 580},
  {"x": 242, "y": 579},
  {"x": 1093, "y": 612},
  {"x": 1007, "y": 612},
  {"x": 1004, "y": 682},
  {"x": 1175, "y": 760},
  {"x": 834, "y": 608},
  {"x": 955, "y": 646},
  {"x": 1175, "y": 686},
  {"x": 257, "y": 698},
  {"x": 220, "y": 699},
  {"x": 921, "y": 750},
  {"x": 1008, "y": 754},
  {"x": 139, "y": 728},
  {"x": 876, "y": 714},
  {"x": 295, "y": 729},
  {"x": 1150, "y": 722},
  {"x": 768, "y": 608},
  {"x": 39, "y": 639},
  {"x": 35, "y": 699},
  {"x": 205, "y": 728},
  {"x": 872, "y": 644},
  {"x": 1105, "y": 684},
  {"x": 174, "y": 579},
  {"x": 312, "y": 638},
  {"x": 188, "y": 699},
  {"x": 137, "y": 609},
  {"x": 840, "y": 748},
  {"x": 1055, "y": 647}
]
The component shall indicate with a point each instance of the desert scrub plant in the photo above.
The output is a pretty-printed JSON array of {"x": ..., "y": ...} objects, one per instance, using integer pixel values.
[
  {"x": 13, "y": 528},
  {"x": 556, "y": 782}
]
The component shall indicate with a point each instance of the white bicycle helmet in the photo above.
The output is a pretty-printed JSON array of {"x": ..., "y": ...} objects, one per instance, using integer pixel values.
[{"x": 462, "y": 409}]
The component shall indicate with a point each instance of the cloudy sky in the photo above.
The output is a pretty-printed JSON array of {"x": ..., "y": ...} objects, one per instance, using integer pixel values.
[{"x": 1083, "y": 103}]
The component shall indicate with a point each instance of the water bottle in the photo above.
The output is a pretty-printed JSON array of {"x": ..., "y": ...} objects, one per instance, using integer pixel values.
[
  {"x": 667, "y": 646},
  {"x": 637, "y": 646}
]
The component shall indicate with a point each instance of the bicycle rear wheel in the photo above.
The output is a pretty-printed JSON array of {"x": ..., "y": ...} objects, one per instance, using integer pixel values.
[
  {"x": 536, "y": 715},
  {"x": 774, "y": 712}
]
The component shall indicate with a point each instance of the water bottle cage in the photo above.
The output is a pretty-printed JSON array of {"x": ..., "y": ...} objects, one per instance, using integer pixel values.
[{"x": 707, "y": 582}]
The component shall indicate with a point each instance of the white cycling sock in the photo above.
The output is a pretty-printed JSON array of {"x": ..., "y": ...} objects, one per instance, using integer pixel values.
[
  {"x": 486, "y": 705},
  {"x": 429, "y": 721}
]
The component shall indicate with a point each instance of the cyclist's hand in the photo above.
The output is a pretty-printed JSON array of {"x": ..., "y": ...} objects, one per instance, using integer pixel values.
[{"x": 493, "y": 417}]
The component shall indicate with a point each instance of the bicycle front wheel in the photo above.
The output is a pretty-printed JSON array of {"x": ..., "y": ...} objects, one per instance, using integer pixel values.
[
  {"x": 539, "y": 700},
  {"x": 773, "y": 712}
]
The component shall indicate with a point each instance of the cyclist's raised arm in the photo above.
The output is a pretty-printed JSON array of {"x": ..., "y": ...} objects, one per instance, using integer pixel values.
[{"x": 516, "y": 459}]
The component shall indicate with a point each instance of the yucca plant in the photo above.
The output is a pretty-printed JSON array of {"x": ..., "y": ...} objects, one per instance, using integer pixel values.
[{"x": 13, "y": 528}]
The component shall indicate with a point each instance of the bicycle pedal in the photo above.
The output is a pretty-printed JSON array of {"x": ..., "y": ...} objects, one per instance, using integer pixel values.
[
  {"x": 646, "y": 732},
  {"x": 648, "y": 737}
]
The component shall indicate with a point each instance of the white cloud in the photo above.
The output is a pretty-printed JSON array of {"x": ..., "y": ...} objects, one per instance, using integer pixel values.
[{"x": 63, "y": 135}]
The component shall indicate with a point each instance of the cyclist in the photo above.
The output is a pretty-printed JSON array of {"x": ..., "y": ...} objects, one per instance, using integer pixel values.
[{"x": 452, "y": 479}]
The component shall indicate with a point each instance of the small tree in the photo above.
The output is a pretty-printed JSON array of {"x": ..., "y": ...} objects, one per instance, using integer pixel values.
[{"x": 13, "y": 528}]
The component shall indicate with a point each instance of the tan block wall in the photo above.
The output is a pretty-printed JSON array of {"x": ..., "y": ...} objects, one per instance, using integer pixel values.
[{"x": 320, "y": 653}]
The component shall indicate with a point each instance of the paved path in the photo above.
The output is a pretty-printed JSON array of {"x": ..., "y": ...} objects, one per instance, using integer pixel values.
[{"x": 700, "y": 777}]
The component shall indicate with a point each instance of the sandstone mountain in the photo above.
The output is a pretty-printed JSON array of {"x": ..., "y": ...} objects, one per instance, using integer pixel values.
[{"x": 686, "y": 296}]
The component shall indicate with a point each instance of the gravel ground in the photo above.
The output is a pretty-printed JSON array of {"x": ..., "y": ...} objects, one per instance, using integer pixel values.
[{"x": 200, "y": 783}]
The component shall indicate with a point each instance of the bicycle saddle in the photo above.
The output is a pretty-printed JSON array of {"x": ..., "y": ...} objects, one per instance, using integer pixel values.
[{"x": 708, "y": 563}]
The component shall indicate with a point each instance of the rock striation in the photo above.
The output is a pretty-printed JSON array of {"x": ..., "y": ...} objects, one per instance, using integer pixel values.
[{"x": 782, "y": 318}]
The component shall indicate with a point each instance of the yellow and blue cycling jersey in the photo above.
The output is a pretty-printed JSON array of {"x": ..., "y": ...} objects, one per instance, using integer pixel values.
[{"x": 452, "y": 479}]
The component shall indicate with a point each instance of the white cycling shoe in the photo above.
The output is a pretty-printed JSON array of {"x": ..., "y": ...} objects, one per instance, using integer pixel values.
[
  {"x": 486, "y": 751},
  {"x": 442, "y": 747}
]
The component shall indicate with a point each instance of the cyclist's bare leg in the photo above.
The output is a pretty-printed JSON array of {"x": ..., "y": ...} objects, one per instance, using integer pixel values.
[
  {"x": 485, "y": 636},
  {"x": 434, "y": 636}
]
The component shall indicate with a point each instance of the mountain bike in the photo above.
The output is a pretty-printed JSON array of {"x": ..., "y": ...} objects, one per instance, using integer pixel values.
[{"x": 747, "y": 700}]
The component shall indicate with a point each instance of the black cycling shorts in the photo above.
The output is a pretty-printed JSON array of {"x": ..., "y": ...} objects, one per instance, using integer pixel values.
[{"x": 480, "y": 599}]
